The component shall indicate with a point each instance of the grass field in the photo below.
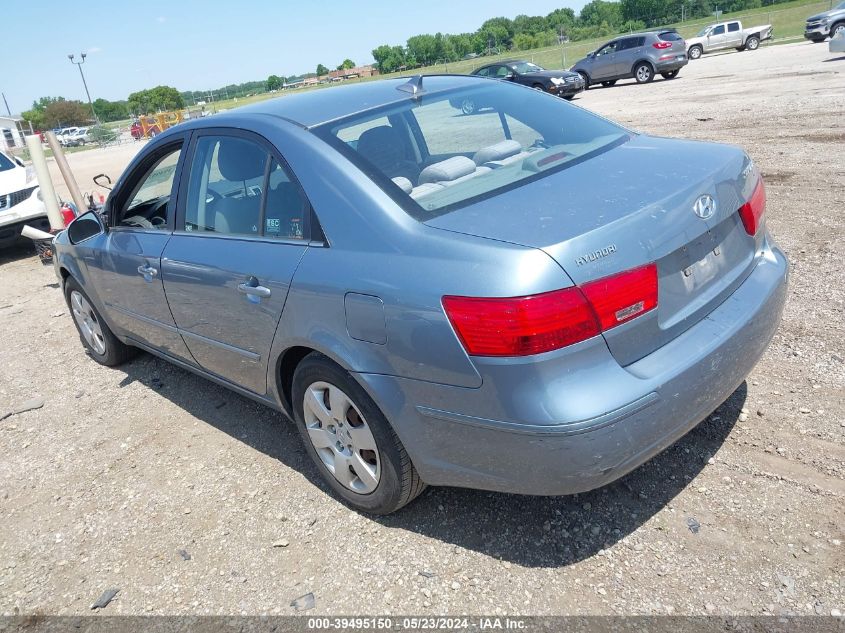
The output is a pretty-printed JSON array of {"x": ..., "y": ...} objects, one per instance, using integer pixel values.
[{"x": 788, "y": 19}]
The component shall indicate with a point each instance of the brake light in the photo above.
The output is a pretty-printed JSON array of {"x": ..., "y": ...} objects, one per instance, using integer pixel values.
[
  {"x": 752, "y": 211},
  {"x": 662, "y": 45},
  {"x": 521, "y": 326}
]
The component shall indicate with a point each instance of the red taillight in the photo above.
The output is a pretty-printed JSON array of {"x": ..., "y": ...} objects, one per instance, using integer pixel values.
[
  {"x": 752, "y": 211},
  {"x": 622, "y": 297},
  {"x": 662, "y": 45},
  {"x": 521, "y": 326}
]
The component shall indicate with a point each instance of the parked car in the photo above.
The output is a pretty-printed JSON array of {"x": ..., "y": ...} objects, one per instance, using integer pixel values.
[
  {"x": 79, "y": 137},
  {"x": 532, "y": 300},
  {"x": 830, "y": 23},
  {"x": 562, "y": 83},
  {"x": 20, "y": 200},
  {"x": 639, "y": 56},
  {"x": 64, "y": 133},
  {"x": 724, "y": 35}
]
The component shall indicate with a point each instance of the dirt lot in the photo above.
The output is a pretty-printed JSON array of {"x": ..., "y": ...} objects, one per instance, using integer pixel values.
[{"x": 121, "y": 469}]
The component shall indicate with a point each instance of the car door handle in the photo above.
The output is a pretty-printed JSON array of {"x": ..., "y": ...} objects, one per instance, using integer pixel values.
[
  {"x": 147, "y": 271},
  {"x": 252, "y": 288}
]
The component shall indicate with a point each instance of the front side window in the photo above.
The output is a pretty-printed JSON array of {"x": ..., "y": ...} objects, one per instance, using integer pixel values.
[
  {"x": 526, "y": 68},
  {"x": 432, "y": 158},
  {"x": 719, "y": 30},
  {"x": 147, "y": 204},
  {"x": 610, "y": 48}
]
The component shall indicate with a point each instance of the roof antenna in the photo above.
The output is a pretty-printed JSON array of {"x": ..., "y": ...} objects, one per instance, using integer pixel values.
[{"x": 413, "y": 86}]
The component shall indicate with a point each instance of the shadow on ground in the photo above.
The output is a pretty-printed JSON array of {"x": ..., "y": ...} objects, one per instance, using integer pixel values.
[
  {"x": 529, "y": 531},
  {"x": 16, "y": 252}
]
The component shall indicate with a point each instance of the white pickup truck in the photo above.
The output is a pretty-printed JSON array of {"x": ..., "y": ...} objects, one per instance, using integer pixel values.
[{"x": 722, "y": 35}]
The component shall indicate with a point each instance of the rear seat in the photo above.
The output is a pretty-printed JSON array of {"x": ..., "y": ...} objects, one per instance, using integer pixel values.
[
  {"x": 499, "y": 154},
  {"x": 446, "y": 173}
]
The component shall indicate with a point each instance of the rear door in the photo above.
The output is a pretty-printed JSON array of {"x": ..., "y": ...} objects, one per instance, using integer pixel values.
[
  {"x": 127, "y": 267},
  {"x": 733, "y": 37},
  {"x": 241, "y": 231},
  {"x": 628, "y": 51}
]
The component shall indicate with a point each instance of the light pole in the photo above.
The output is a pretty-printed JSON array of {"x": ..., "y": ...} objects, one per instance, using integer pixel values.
[{"x": 84, "y": 83}]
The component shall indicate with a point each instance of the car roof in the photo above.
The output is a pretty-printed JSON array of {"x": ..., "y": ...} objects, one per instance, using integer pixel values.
[{"x": 313, "y": 108}]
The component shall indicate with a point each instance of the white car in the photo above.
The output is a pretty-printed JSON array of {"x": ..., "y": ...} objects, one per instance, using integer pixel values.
[
  {"x": 78, "y": 137},
  {"x": 724, "y": 35},
  {"x": 20, "y": 200},
  {"x": 64, "y": 133}
]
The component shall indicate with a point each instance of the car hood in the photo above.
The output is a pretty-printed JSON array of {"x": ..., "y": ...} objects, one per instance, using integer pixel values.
[
  {"x": 826, "y": 14},
  {"x": 12, "y": 180},
  {"x": 551, "y": 74}
]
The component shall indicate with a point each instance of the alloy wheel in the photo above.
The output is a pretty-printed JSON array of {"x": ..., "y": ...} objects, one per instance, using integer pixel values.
[
  {"x": 468, "y": 106},
  {"x": 643, "y": 73},
  {"x": 341, "y": 437},
  {"x": 87, "y": 321}
]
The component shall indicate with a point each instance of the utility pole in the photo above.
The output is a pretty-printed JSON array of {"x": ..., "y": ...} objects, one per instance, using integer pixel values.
[
  {"x": 84, "y": 83},
  {"x": 9, "y": 112}
]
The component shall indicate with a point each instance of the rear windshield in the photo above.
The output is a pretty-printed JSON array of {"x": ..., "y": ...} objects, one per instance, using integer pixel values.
[
  {"x": 444, "y": 151},
  {"x": 669, "y": 36}
]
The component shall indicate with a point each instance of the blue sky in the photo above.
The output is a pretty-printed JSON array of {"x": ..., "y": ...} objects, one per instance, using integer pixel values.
[{"x": 195, "y": 45}]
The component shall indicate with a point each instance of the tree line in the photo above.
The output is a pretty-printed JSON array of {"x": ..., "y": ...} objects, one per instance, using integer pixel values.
[{"x": 597, "y": 18}]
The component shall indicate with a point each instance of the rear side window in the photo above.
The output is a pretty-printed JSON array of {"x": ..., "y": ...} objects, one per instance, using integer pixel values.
[
  {"x": 670, "y": 36},
  {"x": 629, "y": 42},
  {"x": 733, "y": 27},
  {"x": 237, "y": 188}
]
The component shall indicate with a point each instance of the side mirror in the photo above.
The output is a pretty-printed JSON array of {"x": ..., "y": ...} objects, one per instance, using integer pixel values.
[
  {"x": 85, "y": 227},
  {"x": 99, "y": 177},
  {"x": 509, "y": 76}
]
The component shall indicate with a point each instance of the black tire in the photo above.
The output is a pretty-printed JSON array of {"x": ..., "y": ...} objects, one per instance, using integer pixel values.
[
  {"x": 740, "y": 48},
  {"x": 817, "y": 40},
  {"x": 670, "y": 75},
  {"x": 569, "y": 97},
  {"x": 752, "y": 43},
  {"x": 399, "y": 483},
  {"x": 468, "y": 107},
  {"x": 539, "y": 87},
  {"x": 608, "y": 84},
  {"x": 643, "y": 73},
  {"x": 695, "y": 52},
  {"x": 114, "y": 351},
  {"x": 586, "y": 79}
]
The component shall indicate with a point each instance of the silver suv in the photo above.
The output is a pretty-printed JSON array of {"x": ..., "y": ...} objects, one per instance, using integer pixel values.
[{"x": 639, "y": 56}]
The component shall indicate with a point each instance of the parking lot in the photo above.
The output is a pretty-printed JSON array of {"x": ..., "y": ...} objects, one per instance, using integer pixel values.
[{"x": 191, "y": 499}]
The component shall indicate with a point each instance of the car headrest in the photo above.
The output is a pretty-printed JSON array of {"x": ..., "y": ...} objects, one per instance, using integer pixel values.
[
  {"x": 403, "y": 183},
  {"x": 381, "y": 146},
  {"x": 240, "y": 160},
  {"x": 446, "y": 170},
  {"x": 499, "y": 151}
]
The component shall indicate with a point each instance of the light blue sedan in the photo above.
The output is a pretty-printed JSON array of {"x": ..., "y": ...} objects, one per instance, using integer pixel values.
[{"x": 528, "y": 299}]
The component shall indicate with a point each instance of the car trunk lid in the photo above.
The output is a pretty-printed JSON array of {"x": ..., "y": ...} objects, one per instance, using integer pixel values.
[{"x": 631, "y": 206}]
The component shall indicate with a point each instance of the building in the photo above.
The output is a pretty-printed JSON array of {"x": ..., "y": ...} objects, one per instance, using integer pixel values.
[
  {"x": 352, "y": 73},
  {"x": 12, "y": 130}
]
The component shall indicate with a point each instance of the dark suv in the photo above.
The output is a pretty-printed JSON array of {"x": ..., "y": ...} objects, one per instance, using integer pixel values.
[{"x": 639, "y": 56}]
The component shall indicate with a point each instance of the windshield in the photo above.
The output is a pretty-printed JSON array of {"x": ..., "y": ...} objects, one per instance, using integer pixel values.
[
  {"x": 526, "y": 68},
  {"x": 5, "y": 163},
  {"x": 703, "y": 32},
  {"x": 447, "y": 150}
]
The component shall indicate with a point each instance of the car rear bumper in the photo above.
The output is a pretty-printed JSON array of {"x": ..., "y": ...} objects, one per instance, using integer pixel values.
[
  {"x": 671, "y": 64},
  {"x": 579, "y": 425}
]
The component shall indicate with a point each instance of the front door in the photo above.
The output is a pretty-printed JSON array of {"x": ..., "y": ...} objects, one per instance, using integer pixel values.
[
  {"x": 716, "y": 38},
  {"x": 604, "y": 63},
  {"x": 239, "y": 238},
  {"x": 127, "y": 263}
]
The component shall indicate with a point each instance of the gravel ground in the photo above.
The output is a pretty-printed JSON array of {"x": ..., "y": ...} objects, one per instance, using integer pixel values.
[{"x": 190, "y": 499}]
